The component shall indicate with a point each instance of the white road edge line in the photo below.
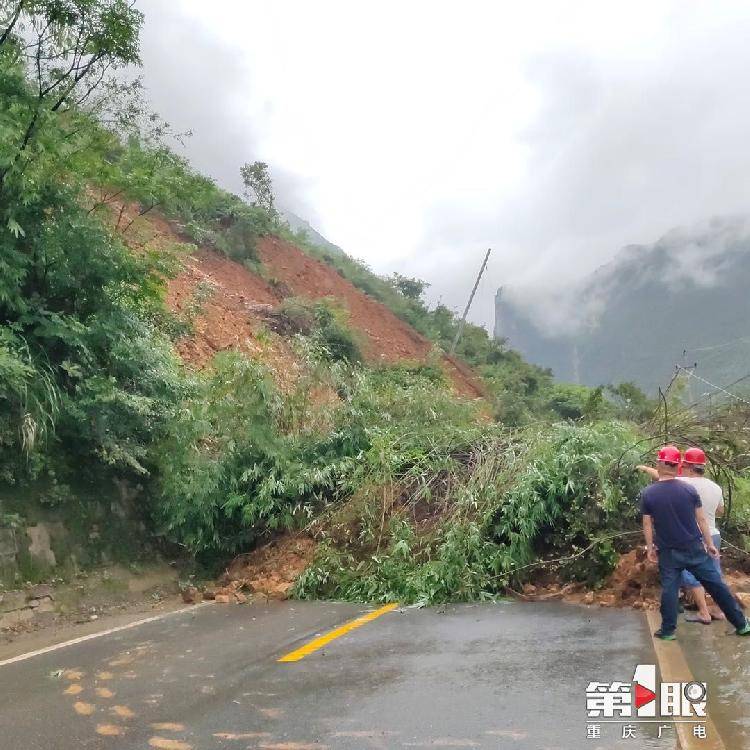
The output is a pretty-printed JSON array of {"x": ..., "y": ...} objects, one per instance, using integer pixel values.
[{"x": 100, "y": 634}]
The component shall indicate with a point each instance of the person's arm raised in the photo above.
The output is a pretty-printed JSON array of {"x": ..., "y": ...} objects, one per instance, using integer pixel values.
[{"x": 650, "y": 470}]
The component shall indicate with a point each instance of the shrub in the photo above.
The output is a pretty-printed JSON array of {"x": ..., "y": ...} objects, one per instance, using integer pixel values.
[
  {"x": 463, "y": 520},
  {"x": 325, "y": 323}
]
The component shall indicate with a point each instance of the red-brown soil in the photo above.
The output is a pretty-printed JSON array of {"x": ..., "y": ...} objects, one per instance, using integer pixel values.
[
  {"x": 273, "y": 568},
  {"x": 225, "y": 301},
  {"x": 223, "y": 292},
  {"x": 633, "y": 583},
  {"x": 230, "y": 318},
  {"x": 387, "y": 337}
]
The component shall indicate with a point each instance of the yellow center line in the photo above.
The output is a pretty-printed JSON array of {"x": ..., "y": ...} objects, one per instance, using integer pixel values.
[
  {"x": 326, "y": 638},
  {"x": 674, "y": 668}
]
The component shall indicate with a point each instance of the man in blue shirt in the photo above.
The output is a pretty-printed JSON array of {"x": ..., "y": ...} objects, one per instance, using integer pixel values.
[{"x": 672, "y": 514}]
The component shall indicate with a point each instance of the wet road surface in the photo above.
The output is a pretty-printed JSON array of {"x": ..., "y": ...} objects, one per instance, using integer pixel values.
[
  {"x": 506, "y": 675},
  {"x": 717, "y": 656}
]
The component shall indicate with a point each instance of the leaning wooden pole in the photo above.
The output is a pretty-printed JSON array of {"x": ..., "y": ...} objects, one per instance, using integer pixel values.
[{"x": 461, "y": 325}]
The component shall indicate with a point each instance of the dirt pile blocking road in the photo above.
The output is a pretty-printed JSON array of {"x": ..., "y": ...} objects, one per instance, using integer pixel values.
[
  {"x": 271, "y": 570},
  {"x": 633, "y": 583}
]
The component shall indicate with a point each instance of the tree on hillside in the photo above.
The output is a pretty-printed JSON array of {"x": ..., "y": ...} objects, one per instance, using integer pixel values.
[
  {"x": 632, "y": 402},
  {"x": 259, "y": 186},
  {"x": 411, "y": 288},
  {"x": 55, "y": 59},
  {"x": 82, "y": 364}
]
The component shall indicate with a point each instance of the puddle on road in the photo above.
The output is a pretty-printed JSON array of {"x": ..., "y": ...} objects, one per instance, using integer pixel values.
[{"x": 721, "y": 659}]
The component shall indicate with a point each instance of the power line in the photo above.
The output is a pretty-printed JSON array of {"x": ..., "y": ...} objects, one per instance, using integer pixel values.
[
  {"x": 681, "y": 412},
  {"x": 719, "y": 346},
  {"x": 717, "y": 387}
]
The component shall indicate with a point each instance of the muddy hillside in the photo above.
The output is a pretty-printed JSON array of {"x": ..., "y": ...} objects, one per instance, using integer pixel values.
[{"x": 234, "y": 304}]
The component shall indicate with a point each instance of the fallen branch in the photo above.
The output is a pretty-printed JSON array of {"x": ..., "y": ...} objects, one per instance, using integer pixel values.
[{"x": 561, "y": 560}]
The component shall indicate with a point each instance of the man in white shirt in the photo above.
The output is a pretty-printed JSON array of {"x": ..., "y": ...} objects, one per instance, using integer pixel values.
[{"x": 712, "y": 499}]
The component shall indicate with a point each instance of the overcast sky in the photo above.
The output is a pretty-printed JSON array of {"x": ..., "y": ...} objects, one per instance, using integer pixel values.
[{"x": 417, "y": 134}]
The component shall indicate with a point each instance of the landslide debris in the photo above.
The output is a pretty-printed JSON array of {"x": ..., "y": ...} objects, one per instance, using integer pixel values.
[{"x": 272, "y": 569}]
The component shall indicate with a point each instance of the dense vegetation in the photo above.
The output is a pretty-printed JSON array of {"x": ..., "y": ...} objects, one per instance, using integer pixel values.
[{"x": 416, "y": 494}]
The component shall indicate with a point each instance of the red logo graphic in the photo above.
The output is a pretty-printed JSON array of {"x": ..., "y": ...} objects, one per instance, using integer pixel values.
[{"x": 643, "y": 695}]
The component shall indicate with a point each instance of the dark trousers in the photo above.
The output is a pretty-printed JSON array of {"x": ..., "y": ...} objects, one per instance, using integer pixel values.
[{"x": 671, "y": 564}]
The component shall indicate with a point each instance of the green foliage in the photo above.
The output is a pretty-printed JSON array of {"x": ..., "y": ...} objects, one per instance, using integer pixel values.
[
  {"x": 574, "y": 401},
  {"x": 80, "y": 360},
  {"x": 573, "y": 488},
  {"x": 326, "y": 324},
  {"x": 739, "y": 518},
  {"x": 55, "y": 56},
  {"x": 410, "y": 288},
  {"x": 219, "y": 449},
  {"x": 464, "y": 519},
  {"x": 631, "y": 402},
  {"x": 241, "y": 461},
  {"x": 259, "y": 186},
  {"x": 87, "y": 377},
  {"x": 155, "y": 177}
]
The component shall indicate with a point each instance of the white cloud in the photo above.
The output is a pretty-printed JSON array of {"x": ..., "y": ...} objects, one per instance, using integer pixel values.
[{"x": 417, "y": 134}]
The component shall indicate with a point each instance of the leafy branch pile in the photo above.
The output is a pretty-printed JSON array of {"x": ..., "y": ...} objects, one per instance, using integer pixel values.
[
  {"x": 242, "y": 458},
  {"x": 463, "y": 517}
]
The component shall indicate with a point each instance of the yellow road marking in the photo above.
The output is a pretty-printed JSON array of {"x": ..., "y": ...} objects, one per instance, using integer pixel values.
[
  {"x": 318, "y": 643},
  {"x": 674, "y": 668}
]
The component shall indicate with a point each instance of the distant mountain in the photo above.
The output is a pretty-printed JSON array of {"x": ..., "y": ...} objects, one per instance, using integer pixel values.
[
  {"x": 633, "y": 318},
  {"x": 298, "y": 224}
]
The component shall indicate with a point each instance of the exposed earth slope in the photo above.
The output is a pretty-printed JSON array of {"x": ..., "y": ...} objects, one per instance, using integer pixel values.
[{"x": 231, "y": 305}]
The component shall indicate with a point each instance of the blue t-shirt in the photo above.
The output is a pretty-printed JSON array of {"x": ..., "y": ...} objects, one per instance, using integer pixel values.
[{"x": 671, "y": 505}]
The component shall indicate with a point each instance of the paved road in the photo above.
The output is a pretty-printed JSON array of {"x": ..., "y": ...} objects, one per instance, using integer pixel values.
[
  {"x": 476, "y": 676},
  {"x": 715, "y": 655}
]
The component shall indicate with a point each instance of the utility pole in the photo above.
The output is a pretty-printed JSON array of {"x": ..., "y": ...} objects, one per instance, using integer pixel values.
[
  {"x": 461, "y": 325},
  {"x": 688, "y": 371}
]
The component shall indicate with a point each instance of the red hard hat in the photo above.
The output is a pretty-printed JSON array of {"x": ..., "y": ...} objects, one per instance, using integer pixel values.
[
  {"x": 670, "y": 454},
  {"x": 695, "y": 456}
]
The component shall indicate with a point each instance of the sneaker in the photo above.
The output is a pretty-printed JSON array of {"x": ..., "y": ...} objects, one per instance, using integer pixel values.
[
  {"x": 671, "y": 636},
  {"x": 745, "y": 629}
]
